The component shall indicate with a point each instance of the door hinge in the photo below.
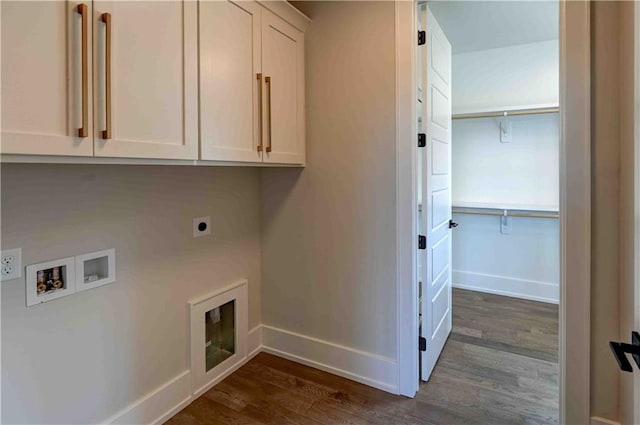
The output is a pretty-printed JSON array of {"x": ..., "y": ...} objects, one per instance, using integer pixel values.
[
  {"x": 422, "y": 242},
  {"x": 422, "y": 38},
  {"x": 621, "y": 348},
  {"x": 422, "y": 140},
  {"x": 422, "y": 343}
]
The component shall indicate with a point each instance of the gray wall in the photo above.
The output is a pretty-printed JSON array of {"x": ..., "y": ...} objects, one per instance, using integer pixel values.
[
  {"x": 328, "y": 232},
  {"x": 82, "y": 358}
]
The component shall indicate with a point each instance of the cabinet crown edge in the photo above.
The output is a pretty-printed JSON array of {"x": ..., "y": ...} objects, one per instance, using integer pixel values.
[{"x": 286, "y": 11}]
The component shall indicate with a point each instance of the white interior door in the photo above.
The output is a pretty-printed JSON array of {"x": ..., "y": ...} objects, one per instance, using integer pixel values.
[
  {"x": 153, "y": 79},
  {"x": 283, "y": 69},
  {"x": 42, "y": 78},
  {"x": 230, "y": 62},
  {"x": 436, "y": 192}
]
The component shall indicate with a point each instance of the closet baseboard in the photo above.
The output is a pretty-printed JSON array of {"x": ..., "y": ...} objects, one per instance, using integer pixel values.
[{"x": 547, "y": 292}]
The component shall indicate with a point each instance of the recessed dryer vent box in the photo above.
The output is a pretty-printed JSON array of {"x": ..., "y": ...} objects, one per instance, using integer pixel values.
[{"x": 95, "y": 269}]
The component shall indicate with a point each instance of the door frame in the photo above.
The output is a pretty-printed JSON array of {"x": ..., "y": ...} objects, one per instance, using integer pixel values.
[
  {"x": 636, "y": 149},
  {"x": 575, "y": 234}
]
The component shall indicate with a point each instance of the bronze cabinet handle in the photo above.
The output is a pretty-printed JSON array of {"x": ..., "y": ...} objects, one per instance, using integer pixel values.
[
  {"x": 259, "y": 77},
  {"x": 106, "y": 18},
  {"x": 82, "y": 131},
  {"x": 267, "y": 81}
]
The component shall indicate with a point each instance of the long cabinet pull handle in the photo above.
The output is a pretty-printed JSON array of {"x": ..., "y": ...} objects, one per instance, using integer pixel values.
[
  {"x": 260, "y": 145},
  {"x": 267, "y": 81},
  {"x": 106, "y": 18},
  {"x": 82, "y": 131}
]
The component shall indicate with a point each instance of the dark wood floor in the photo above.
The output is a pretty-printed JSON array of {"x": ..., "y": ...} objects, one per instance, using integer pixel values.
[{"x": 498, "y": 367}]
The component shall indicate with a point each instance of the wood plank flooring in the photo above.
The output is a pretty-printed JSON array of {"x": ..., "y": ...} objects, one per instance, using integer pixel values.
[{"x": 498, "y": 367}]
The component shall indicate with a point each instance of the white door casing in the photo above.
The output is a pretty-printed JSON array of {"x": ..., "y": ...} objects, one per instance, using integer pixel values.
[
  {"x": 230, "y": 59},
  {"x": 436, "y": 267},
  {"x": 637, "y": 199},
  {"x": 154, "y": 79},
  {"x": 575, "y": 203},
  {"x": 42, "y": 78}
]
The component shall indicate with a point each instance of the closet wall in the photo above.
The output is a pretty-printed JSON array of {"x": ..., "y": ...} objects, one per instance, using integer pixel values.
[
  {"x": 522, "y": 173},
  {"x": 506, "y": 77}
]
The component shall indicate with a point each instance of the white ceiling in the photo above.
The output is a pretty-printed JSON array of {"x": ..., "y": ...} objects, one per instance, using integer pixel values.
[{"x": 480, "y": 25}]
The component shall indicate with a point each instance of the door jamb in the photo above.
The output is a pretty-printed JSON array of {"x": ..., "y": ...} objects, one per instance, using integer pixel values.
[
  {"x": 406, "y": 207},
  {"x": 575, "y": 202},
  {"x": 636, "y": 171},
  {"x": 575, "y": 234}
]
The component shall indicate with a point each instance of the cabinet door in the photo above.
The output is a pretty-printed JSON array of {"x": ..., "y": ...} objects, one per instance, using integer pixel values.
[
  {"x": 42, "y": 78},
  {"x": 229, "y": 87},
  {"x": 146, "y": 78},
  {"x": 283, "y": 68}
]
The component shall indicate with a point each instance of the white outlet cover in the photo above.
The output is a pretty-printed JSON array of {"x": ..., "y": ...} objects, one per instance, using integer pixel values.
[
  {"x": 11, "y": 264},
  {"x": 196, "y": 226}
]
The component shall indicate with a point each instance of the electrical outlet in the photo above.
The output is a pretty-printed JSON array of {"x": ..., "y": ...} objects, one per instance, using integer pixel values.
[
  {"x": 201, "y": 226},
  {"x": 11, "y": 264}
]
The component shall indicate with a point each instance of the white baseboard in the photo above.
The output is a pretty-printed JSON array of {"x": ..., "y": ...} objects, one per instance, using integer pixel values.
[
  {"x": 370, "y": 369},
  {"x": 367, "y": 368},
  {"x": 254, "y": 342},
  {"x": 159, "y": 405},
  {"x": 595, "y": 420},
  {"x": 215, "y": 381},
  {"x": 547, "y": 292},
  {"x": 171, "y": 412},
  {"x": 165, "y": 401}
]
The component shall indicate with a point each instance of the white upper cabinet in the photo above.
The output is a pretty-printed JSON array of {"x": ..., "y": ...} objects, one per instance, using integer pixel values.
[
  {"x": 42, "y": 78},
  {"x": 230, "y": 63},
  {"x": 283, "y": 70},
  {"x": 251, "y": 85},
  {"x": 146, "y": 79},
  {"x": 167, "y": 79}
]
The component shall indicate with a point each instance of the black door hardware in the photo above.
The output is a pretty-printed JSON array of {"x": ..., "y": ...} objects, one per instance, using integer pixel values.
[
  {"x": 452, "y": 224},
  {"x": 422, "y": 140},
  {"x": 422, "y": 242},
  {"x": 620, "y": 350},
  {"x": 422, "y": 343},
  {"x": 422, "y": 38}
]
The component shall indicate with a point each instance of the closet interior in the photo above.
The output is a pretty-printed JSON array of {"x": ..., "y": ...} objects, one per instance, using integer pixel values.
[{"x": 489, "y": 277}]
